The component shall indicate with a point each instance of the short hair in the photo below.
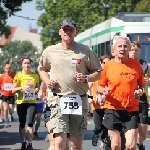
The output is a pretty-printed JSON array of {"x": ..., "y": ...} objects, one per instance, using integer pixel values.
[
  {"x": 121, "y": 37},
  {"x": 7, "y": 65},
  {"x": 103, "y": 57},
  {"x": 135, "y": 43},
  {"x": 22, "y": 59}
]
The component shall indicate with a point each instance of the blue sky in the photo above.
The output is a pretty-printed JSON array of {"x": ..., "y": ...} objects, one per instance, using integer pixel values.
[{"x": 28, "y": 10}]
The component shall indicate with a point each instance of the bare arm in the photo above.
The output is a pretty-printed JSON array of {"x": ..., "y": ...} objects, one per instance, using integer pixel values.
[
  {"x": 16, "y": 88},
  {"x": 94, "y": 76},
  {"x": 44, "y": 76},
  {"x": 42, "y": 91},
  {"x": 43, "y": 87}
]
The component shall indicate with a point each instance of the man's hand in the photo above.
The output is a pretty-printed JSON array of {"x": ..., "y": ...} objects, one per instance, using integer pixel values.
[
  {"x": 51, "y": 84},
  {"x": 137, "y": 94},
  {"x": 106, "y": 90},
  {"x": 80, "y": 77},
  {"x": 99, "y": 100}
]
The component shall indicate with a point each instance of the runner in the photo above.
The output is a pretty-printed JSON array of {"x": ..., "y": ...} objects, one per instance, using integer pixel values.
[
  {"x": 123, "y": 84},
  {"x": 72, "y": 66},
  {"x": 143, "y": 112},
  {"x": 98, "y": 112},
  {"x": 26, "y": 83},
  {"x": 6, "y": 82},
  {"x": 40, "y": 108}
]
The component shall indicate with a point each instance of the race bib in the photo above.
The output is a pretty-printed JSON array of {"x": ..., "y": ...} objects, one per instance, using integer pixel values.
[
  {"x": 7, "y": 86},
  {"x": 29, "y": 95},
  {"x": 71, "y": 104}
]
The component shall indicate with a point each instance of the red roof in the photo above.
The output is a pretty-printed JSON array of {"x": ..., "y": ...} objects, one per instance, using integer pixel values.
[{"x": 5, "y": 40}]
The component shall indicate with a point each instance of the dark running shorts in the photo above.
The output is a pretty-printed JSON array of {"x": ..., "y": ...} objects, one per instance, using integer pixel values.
[
  {"x": 40, "y": 107},
  {"x": 120, "y": 120},
  {"x": 143, "y": 113},
  {"x": 10, "y": 99}
]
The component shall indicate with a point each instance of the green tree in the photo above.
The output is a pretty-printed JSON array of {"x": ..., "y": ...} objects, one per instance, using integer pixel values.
[
  {"x": 14, "y": 51},
  {"x": 86, "y": 13},
  {"x": 143, "y": 6},
  {"x": 8, "y": 8}
]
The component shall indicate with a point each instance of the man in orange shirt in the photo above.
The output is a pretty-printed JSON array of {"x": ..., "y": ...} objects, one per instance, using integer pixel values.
[
  {"x": 6, "y": 81},
  {"x": 122, "y": 82}
]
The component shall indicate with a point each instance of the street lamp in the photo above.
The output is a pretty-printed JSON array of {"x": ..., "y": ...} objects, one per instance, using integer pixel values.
[{"x": 106, "y": 8}]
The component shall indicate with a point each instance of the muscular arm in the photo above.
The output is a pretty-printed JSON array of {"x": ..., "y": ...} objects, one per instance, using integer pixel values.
[
  {"x": 43, "y": 87},
  {"x": 44, "y": 76},
  {"x": 94, "y": 76}
]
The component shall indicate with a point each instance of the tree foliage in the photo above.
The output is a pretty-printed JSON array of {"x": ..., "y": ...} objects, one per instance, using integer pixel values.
[
  {"x": 86, "y": 13},
  {"x": 143, "y": 6},
  {"x": 8, "y": 8},
  {"x": 14, "y": 51}
]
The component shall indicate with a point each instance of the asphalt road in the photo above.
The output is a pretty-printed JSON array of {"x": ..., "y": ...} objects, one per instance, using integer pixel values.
[{"x": 10, "y": 139}]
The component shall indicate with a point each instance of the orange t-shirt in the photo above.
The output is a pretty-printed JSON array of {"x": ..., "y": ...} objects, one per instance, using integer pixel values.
[
  {"x": 122, "y": 79},
  {"x": 94, "y": 103},
  {"x": 6, "y": 81}
]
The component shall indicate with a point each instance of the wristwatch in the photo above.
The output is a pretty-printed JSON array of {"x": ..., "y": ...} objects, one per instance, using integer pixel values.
[{"x": 86, "y": 79}]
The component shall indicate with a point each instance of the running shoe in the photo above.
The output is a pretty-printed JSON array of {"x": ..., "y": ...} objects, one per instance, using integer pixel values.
[
  {"x": 108, "y": 144},
  {"x": 6, "y": 125},
  {"x": 95, "y": 139},
  {"x": 141, "y": 147},
  {"x": 23, "y": 146},
  {"x": 36, "y": 134},
  {"x": 46, "y": 138},
  {"x": 29, "y": 146}
]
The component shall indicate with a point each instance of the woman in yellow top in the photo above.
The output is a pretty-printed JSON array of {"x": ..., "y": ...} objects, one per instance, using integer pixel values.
[
  {"x": 25, "y": 84},
  {"x": 98, "y": 111}
]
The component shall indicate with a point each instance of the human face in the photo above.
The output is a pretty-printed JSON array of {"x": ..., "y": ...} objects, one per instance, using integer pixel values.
[
  {"x": 67, "y": 33},
  {"x": 134, "y": 52},
  {"x": 7, "y": 69},
  {"x": 105, "y": 60},
  {"x": 121, "y": 49},
  {"x": 26, "y": 64}
]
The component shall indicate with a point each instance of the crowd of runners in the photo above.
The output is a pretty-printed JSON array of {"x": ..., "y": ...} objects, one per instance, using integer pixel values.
[{"x": 69, "y": 76}]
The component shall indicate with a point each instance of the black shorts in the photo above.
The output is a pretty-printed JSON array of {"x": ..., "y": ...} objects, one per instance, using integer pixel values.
[
  {"x": 143, "y": 113},
  {"x": 10, "y": 99},
  {"x": 1, "y": 97},
  {"x": 120, "y": 120},
  {"x": 47, "y": 113}
]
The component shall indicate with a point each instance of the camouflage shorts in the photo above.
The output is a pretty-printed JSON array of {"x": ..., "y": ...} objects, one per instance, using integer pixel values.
[{"x": 76, "y": 125}]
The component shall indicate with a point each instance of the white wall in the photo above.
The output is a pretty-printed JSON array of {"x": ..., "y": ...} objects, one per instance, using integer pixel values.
[{"x": 24, "y": 35}]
